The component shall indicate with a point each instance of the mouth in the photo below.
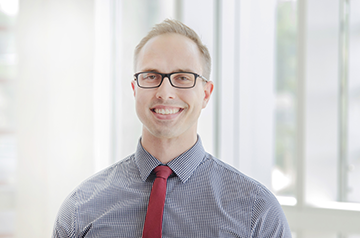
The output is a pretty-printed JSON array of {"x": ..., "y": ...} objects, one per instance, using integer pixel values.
[{"x": 166, "y": 111}]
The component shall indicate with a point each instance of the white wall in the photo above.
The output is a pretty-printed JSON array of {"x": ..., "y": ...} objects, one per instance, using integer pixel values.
[{"x": 54, "y": 108}]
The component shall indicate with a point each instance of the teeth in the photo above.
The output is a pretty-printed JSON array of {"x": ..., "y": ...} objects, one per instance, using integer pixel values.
[{"x": 166, "y": 111}]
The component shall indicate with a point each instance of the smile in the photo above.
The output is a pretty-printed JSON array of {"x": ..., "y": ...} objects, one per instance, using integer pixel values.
[{"x": 166, "y": 111}]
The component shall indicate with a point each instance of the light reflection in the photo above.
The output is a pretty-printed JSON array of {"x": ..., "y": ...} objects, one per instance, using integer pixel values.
[
  {"x": 9, "y": 7},
  {"x": 279, "y": 180},
  {"x": 286, "y": 201}
]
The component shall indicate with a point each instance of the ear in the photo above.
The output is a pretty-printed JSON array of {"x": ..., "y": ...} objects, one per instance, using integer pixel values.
[
  {"x": 208, "y": 89},
  {"x": 133, "y": 87}
]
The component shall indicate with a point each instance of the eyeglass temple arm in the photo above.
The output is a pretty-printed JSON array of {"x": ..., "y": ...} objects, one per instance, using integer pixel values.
[{"x": 206, "y": 80}]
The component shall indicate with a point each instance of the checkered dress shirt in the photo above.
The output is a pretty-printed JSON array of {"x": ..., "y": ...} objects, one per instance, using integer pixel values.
[{"x": 205, "y": 198}]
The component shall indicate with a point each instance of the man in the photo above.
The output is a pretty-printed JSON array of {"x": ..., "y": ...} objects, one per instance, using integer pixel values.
[{"x": 204, "y": 197}]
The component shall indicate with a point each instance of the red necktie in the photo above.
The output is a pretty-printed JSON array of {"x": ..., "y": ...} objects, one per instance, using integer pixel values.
[{"x": 154, "y": 214}]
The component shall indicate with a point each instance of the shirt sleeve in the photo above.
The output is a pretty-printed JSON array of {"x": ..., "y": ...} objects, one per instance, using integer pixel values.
[
  {"x": 65, "y": 223},
  {"x": 268, "y": 218}
]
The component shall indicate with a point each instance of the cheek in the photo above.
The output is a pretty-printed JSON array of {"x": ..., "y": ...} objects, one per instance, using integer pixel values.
[
  {"x": 140, "y": 102},
  {"x": 142, "y": 96},
  {"x": 195, "y": 100},
  {"x": 200, "y": 95}
]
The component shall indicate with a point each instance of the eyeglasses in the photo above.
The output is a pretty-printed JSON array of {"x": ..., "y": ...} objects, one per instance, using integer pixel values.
[{"x": 177, "y": 79}]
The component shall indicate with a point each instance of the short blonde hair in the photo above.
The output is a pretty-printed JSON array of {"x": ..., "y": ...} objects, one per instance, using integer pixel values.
[{"x": 174, "y": 26}]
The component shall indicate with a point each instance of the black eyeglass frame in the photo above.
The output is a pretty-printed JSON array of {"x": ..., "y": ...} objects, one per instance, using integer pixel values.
[{"x": 168, "y": 76}]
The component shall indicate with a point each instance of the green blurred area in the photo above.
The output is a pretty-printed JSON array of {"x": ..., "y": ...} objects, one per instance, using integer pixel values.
[{"x": 286, "y": 86}]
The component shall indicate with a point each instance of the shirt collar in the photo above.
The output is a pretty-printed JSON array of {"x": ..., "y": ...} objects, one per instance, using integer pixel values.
[{"x": 183, "y": 166}]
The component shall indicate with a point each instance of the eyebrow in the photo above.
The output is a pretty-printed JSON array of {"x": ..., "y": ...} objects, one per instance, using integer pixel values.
[{"x": 157, "y": 71}]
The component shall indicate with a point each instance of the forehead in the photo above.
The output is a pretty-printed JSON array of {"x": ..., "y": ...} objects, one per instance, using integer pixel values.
[{"x": 169, "y": 51}]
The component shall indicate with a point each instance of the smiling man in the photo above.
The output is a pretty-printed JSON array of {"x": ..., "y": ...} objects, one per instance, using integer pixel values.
[
  {"x": 170, "y": 187},
  {"x": 169, "y": 105}
]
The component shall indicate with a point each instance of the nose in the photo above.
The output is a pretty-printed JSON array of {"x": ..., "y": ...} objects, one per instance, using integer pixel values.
[{"x": 165, "y": 91}]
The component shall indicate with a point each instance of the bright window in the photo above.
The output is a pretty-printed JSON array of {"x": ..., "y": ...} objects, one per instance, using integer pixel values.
[
  {"x": 8, "y": 159},
  {"x": 276, "y": 111},
  {"x": 285, "y": 110}
]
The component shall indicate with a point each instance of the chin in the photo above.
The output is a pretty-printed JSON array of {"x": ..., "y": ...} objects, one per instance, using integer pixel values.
[{"x": 164, "y": 134}]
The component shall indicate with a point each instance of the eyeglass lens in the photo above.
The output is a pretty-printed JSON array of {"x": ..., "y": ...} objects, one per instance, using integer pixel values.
[{"x": 181, "y": 80}]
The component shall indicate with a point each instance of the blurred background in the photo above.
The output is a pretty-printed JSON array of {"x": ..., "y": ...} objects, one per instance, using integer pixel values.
[{"x": 285, "y": 110}]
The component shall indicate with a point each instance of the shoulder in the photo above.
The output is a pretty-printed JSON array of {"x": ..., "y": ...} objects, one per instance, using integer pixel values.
[
  {"x": 228, "y": 173},
  {"x": 267, "y": 217},
  {"x": 117, "y": 175},
  {"x": 103, "y": 178},
  {"x": 228, "y": 180},
  {"x": 88, "y": 191},
  {"x": 110, "y": 174}
]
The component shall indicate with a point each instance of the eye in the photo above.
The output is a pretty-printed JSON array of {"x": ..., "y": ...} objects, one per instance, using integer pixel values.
[
  {"x": 149, "y": 76},
  {"x": 182, "y": 77}
]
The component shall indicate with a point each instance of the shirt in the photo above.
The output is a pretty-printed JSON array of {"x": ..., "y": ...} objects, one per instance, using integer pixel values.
[{"x": 205, "y": 197}]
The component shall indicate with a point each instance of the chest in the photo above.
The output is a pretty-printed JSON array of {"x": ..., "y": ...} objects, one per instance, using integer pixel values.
[{"x": 191, "y": 210}]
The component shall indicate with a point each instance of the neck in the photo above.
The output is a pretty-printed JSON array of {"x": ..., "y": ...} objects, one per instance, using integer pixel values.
[{"x": 167, "y": 149}]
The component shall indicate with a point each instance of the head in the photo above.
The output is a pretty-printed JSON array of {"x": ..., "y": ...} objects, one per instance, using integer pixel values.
[
  {"x": 165, "y": 111},
  {"x": 174, "y": 26}
]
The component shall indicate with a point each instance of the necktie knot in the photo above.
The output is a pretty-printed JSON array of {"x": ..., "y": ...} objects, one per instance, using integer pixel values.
[{"x": 162, "y": 172}]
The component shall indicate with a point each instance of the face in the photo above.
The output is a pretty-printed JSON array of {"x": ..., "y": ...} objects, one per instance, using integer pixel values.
[{"x": 167, "y": 112}]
